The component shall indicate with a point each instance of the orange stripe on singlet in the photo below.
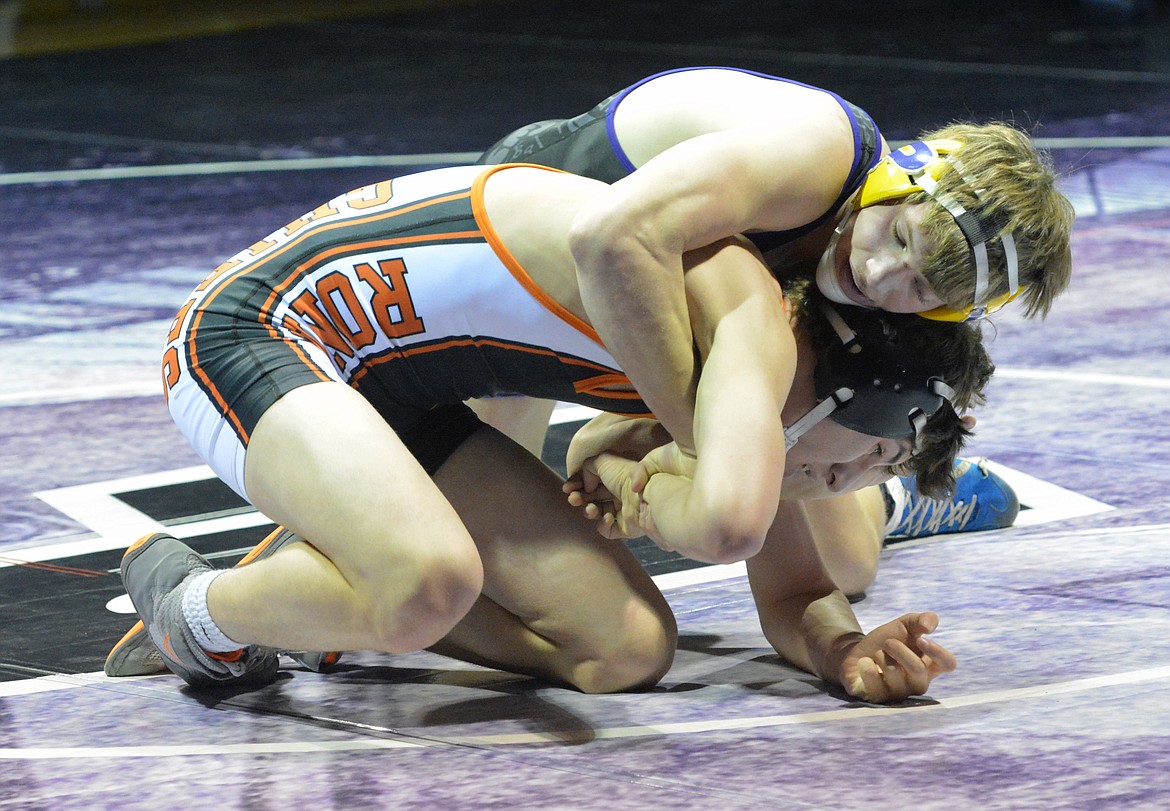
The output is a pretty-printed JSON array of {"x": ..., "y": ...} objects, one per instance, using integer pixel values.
[
  {"x": 270, "y": 302},
  {"x": 591, "y": 385},
  {"x": 510, "y": 262}
]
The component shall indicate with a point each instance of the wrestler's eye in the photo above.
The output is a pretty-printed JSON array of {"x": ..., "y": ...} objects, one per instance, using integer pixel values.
[{"x": 920, "y": 289}]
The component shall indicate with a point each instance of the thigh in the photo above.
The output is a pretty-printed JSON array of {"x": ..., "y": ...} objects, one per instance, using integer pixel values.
[
  {"x": 543, "y": 561},
  {"x": 522, "y": 419},
  {"x": 324, "y": 463}
]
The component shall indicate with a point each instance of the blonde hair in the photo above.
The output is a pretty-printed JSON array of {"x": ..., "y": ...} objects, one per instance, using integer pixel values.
[{"x": 1016, "y": 187}]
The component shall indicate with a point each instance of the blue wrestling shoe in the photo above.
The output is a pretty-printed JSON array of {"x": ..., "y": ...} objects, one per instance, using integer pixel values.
[
  {"x": 135, "y": 654},
  {"x": 982, "y": 500}
]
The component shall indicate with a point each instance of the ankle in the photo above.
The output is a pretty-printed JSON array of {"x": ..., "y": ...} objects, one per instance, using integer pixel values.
[{"x": 207, "y": 634}]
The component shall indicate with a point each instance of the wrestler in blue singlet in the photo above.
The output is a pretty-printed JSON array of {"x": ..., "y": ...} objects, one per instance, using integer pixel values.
[{"x": 588, "y": 145}]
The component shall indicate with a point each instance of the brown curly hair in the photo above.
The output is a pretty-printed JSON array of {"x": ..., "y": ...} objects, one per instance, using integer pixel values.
[{"x": 955, "y": 352}]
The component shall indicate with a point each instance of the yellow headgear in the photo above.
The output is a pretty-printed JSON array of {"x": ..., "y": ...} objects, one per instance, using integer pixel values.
[{"x": 917, "y": 167}]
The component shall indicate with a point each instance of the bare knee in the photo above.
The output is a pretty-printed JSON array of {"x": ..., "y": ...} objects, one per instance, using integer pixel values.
[
  {"x": 634, "y": 658},
  {"x": 423, "y": 600},
  {"x": 853, "y": 574}
]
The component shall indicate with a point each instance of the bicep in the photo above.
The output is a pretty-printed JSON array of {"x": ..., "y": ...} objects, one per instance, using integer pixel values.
[{"x": 751, "y": 178}]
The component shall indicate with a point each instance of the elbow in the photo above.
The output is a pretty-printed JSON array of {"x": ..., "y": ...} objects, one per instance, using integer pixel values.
[
  {"x": 735, "y": 523},
  {"x": 731, "y": 539},
  {"x": 584, "y": 233},
  {"x": 606, "y": 238}
]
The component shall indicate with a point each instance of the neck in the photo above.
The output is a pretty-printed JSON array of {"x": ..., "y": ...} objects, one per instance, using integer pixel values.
[{"x": 802, "y": 396}]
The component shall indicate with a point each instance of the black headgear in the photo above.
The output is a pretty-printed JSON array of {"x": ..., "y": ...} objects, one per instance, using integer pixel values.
[{"x": 871, "y": 382}]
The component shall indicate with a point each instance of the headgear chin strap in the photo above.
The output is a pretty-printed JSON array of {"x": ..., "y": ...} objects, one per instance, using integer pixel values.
[
  {"x": 917, "y": 167},
  {"x": 814, "y": 415},
  {"x": 870, "y": 382}
]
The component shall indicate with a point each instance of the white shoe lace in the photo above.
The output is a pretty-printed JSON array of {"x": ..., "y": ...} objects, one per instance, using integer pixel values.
[{"x": 926, "y": 516}]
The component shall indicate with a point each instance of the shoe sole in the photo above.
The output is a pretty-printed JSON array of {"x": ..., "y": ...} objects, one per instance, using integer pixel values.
[{"x": 135, "y": 654}]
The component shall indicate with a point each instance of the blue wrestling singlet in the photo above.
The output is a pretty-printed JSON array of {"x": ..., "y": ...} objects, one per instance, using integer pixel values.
[{"x": 588, "y": 145}]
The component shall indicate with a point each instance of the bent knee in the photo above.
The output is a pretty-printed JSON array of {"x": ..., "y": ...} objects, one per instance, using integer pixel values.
[
  {"x": 423, "y": 601},
  {"x": 854, "y": 576},
  {"x": 635, "y": 659}
]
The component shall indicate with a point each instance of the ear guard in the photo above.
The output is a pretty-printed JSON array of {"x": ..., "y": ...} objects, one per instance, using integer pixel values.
[
  {"x": 917, "y": 167},
  {"x": 871, "y": 383}
]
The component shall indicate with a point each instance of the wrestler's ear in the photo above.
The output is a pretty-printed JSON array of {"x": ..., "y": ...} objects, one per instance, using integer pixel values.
[{"x": 968, "y": 422}]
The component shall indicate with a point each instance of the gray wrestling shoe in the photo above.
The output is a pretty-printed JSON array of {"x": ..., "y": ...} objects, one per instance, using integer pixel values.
[
  {"x": 135, "y": 654},
  {"x": 156, "y": 571}
]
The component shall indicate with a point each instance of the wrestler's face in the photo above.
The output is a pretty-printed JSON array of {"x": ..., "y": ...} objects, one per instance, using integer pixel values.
[
  {"x": 877, "y": 260},
  {"x": 831, "y": 459}
]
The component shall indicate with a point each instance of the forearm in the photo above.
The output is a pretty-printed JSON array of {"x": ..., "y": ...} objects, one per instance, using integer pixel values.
[
  {"x": 635, "y": 300},
  {"x": 813, "y": 631},
  {"x": 721, "y": 509}
]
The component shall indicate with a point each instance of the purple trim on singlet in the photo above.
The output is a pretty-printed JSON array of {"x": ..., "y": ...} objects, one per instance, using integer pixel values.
[
  {"x": 850, "y": 183},
  {"x": 618, "y": 152}
]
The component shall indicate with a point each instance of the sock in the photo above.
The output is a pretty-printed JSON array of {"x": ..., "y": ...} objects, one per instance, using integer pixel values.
[
  {"x": 202, "y": 626},
  {"x": 895, "y": 494}
]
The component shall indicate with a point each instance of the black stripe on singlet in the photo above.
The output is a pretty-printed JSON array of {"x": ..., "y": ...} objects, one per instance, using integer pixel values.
[{"x": 243, "y": 301}]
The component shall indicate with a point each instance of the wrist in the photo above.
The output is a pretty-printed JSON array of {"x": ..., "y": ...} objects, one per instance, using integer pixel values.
[
  {"x": 833, "y": 663},
  {"x": 671, "y": 493}
]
